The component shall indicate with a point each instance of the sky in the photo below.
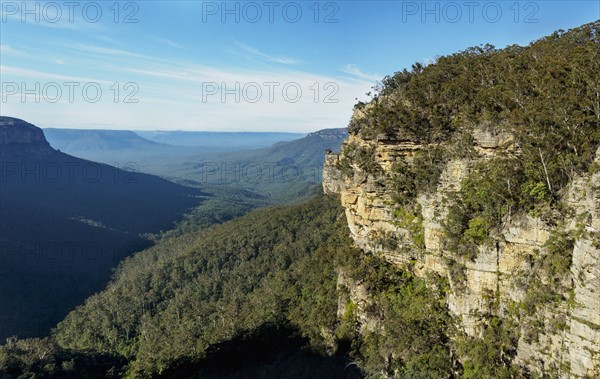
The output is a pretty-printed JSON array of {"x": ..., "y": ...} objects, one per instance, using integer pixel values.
[{"x": 237, "y": 65}]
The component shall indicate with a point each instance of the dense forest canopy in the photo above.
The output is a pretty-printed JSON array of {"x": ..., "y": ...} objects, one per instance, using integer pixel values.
[
  {"x": 547, "y": 94},
  {"x": 550, "y": 84}
]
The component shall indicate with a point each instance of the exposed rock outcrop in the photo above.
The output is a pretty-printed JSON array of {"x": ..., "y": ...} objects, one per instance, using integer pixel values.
[
  {"x": 566, "y": 341},
  {"x": 21, "y": 138}
]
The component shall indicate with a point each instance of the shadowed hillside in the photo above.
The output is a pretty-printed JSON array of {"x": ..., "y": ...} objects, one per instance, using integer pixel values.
[{"x": 65, "y": 222}]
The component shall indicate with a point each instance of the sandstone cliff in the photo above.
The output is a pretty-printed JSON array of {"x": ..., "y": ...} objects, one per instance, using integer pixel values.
[
  {"x": 20, "y": 138},
  {"x": 562, "y": 337}
]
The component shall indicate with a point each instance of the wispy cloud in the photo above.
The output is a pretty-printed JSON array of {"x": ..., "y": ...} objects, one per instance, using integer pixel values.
[
  {"x": 180, "y": 87},
  {"x": 37, "y": 17},
  {"x": 39, "y": 55},
  {"x": 168, "y": 42},
  {"x": 112, "y": 54},
  {"x": 355, "y": 71},
  {"x": 172, "y": 91},
  {"x": 174, "y": 95},
  {"x": 107, "y": 51},
  {"x": 35, "y": 74},
  {"x": 9, "y": 50},
  {"x": 104, "y": 38},
  {"x": 251, "y": 52}
]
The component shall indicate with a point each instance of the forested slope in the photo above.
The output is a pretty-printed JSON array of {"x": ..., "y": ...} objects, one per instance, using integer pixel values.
[
  {"x": 258, "y": 296},
  {"x": 174, "y": 301}
]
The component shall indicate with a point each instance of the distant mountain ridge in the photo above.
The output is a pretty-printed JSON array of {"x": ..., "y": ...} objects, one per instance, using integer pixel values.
[
  {"x": 329, "y": 134},
  {"x": 97, "y": 139},
  {"x": 219, "y": 140},
  {"x": 309, "y": 149},
  {"x": 270, "y": 170},
  {"x": 286, "y": 171},
  {"x": 149, "y": 150}
]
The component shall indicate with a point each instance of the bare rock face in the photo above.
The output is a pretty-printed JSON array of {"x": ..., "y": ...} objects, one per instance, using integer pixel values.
[
  {"x": 21, "y": 138},
  {"x": 501, "y": 272},
  {"x": 489, "y": 142},
  {"x": 583, "y": 340}
]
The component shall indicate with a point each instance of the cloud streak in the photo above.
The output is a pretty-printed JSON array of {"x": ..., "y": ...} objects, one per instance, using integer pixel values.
[
  {"x": 355, "y": 71},
  {"x": 9, "y": 50},
  {"x": 108, "y": 51},
  {"x": 36, "y": 74},
  {"x": 37, "y": 17},
  {"x": 251, "y": 52},
  {"x": 168, "y": 42}
]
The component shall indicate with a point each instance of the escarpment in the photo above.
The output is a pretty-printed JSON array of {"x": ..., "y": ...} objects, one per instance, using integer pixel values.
[
  {"x": 19, "y": 138},
  {"x": 469, "y": 179}
]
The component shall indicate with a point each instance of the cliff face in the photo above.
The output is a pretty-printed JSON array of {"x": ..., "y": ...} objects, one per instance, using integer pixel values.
[
  {"x": 18, "y": 137},
  {"x": 561, "y": 337}
]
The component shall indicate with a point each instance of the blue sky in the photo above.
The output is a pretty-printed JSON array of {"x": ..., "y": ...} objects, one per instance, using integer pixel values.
[{"x": 237, "y": 66}]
